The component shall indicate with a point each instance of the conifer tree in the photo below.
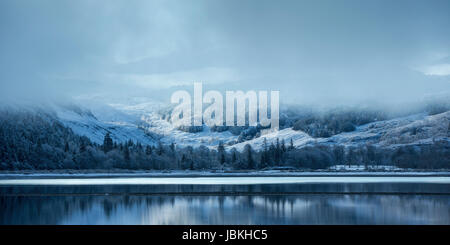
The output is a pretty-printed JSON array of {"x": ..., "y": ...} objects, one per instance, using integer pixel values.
[
  {"x": 66, "y": 147},
  {"x": 126, "y": 154},
  {"x": 249, "y": 152},
  {"x": 107, "y": 143},
  {"x": 221, "y": 151},
  {"x": 148, "y": 150}
]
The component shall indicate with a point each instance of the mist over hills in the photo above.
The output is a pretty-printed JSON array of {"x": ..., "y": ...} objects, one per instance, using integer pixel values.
[
  {"x": 142, "y": 137},
  {"x": 148, "y": 121}
]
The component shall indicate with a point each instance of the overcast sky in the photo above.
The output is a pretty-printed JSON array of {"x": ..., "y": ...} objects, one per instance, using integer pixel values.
[{"x": 319, "y": 52}]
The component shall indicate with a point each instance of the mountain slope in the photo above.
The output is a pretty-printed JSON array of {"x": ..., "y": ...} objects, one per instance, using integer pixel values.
[
  {"x": 96, "y": 121},
  {"x": 414, "y": 129},
  {"x": 141, "y": 121}
]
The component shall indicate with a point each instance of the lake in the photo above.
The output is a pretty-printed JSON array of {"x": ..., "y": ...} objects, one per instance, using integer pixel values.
[{"x": 226, "y": 200}]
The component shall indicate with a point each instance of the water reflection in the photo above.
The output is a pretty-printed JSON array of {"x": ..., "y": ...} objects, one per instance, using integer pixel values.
[
  {"x": 318, "y": 188},
  {"x": 219, "y": 209}
]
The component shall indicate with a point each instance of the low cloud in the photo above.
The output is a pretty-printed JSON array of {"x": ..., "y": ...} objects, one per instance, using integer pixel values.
[
  {"x": 208, "y": 75},
  {"x": 318, "y": 52},
  {"x": 437, "y": 70}
]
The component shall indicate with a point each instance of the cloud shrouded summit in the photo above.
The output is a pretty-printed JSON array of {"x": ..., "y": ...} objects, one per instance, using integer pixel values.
[{"x": 315, "y": 52}]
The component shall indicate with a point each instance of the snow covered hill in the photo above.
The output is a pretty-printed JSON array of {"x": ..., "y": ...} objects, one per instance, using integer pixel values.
[
  {"x": 140, "y": 120},
  {"x": 414, "y": 129},
  {"x": 96, "y": 122},
  {"x": 92, "y": 120}
]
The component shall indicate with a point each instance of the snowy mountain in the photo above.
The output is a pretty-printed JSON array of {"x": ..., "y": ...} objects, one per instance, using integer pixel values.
[
  {"x": 92, "y": 120},
  {"x": 410, "y": 130},
  {"x": 141, "y": 120},
  {"x": 96, "y": 121}
]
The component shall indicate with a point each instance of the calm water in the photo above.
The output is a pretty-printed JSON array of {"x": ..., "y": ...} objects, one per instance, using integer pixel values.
[{"x": 292, "y": 203}]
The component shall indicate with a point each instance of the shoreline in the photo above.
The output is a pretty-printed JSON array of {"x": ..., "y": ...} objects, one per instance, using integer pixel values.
[{"x": 196, "y": 174}]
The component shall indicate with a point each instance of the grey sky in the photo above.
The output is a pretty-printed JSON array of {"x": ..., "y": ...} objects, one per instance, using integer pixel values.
[{"x": 323, "y": 52}]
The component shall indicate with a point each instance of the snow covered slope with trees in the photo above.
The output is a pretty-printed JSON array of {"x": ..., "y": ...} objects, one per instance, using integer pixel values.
[
  {"x": 69, "y": 136},
  {"x": 96, "y": 121},
  {"x": 146, "y": 121},
  {"x": 414, "y": 129}
]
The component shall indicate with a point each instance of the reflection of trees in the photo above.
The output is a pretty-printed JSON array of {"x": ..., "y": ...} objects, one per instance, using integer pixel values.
[
  {"x": 223, "y": 209},
  {"x": 227, "y": 189}
]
